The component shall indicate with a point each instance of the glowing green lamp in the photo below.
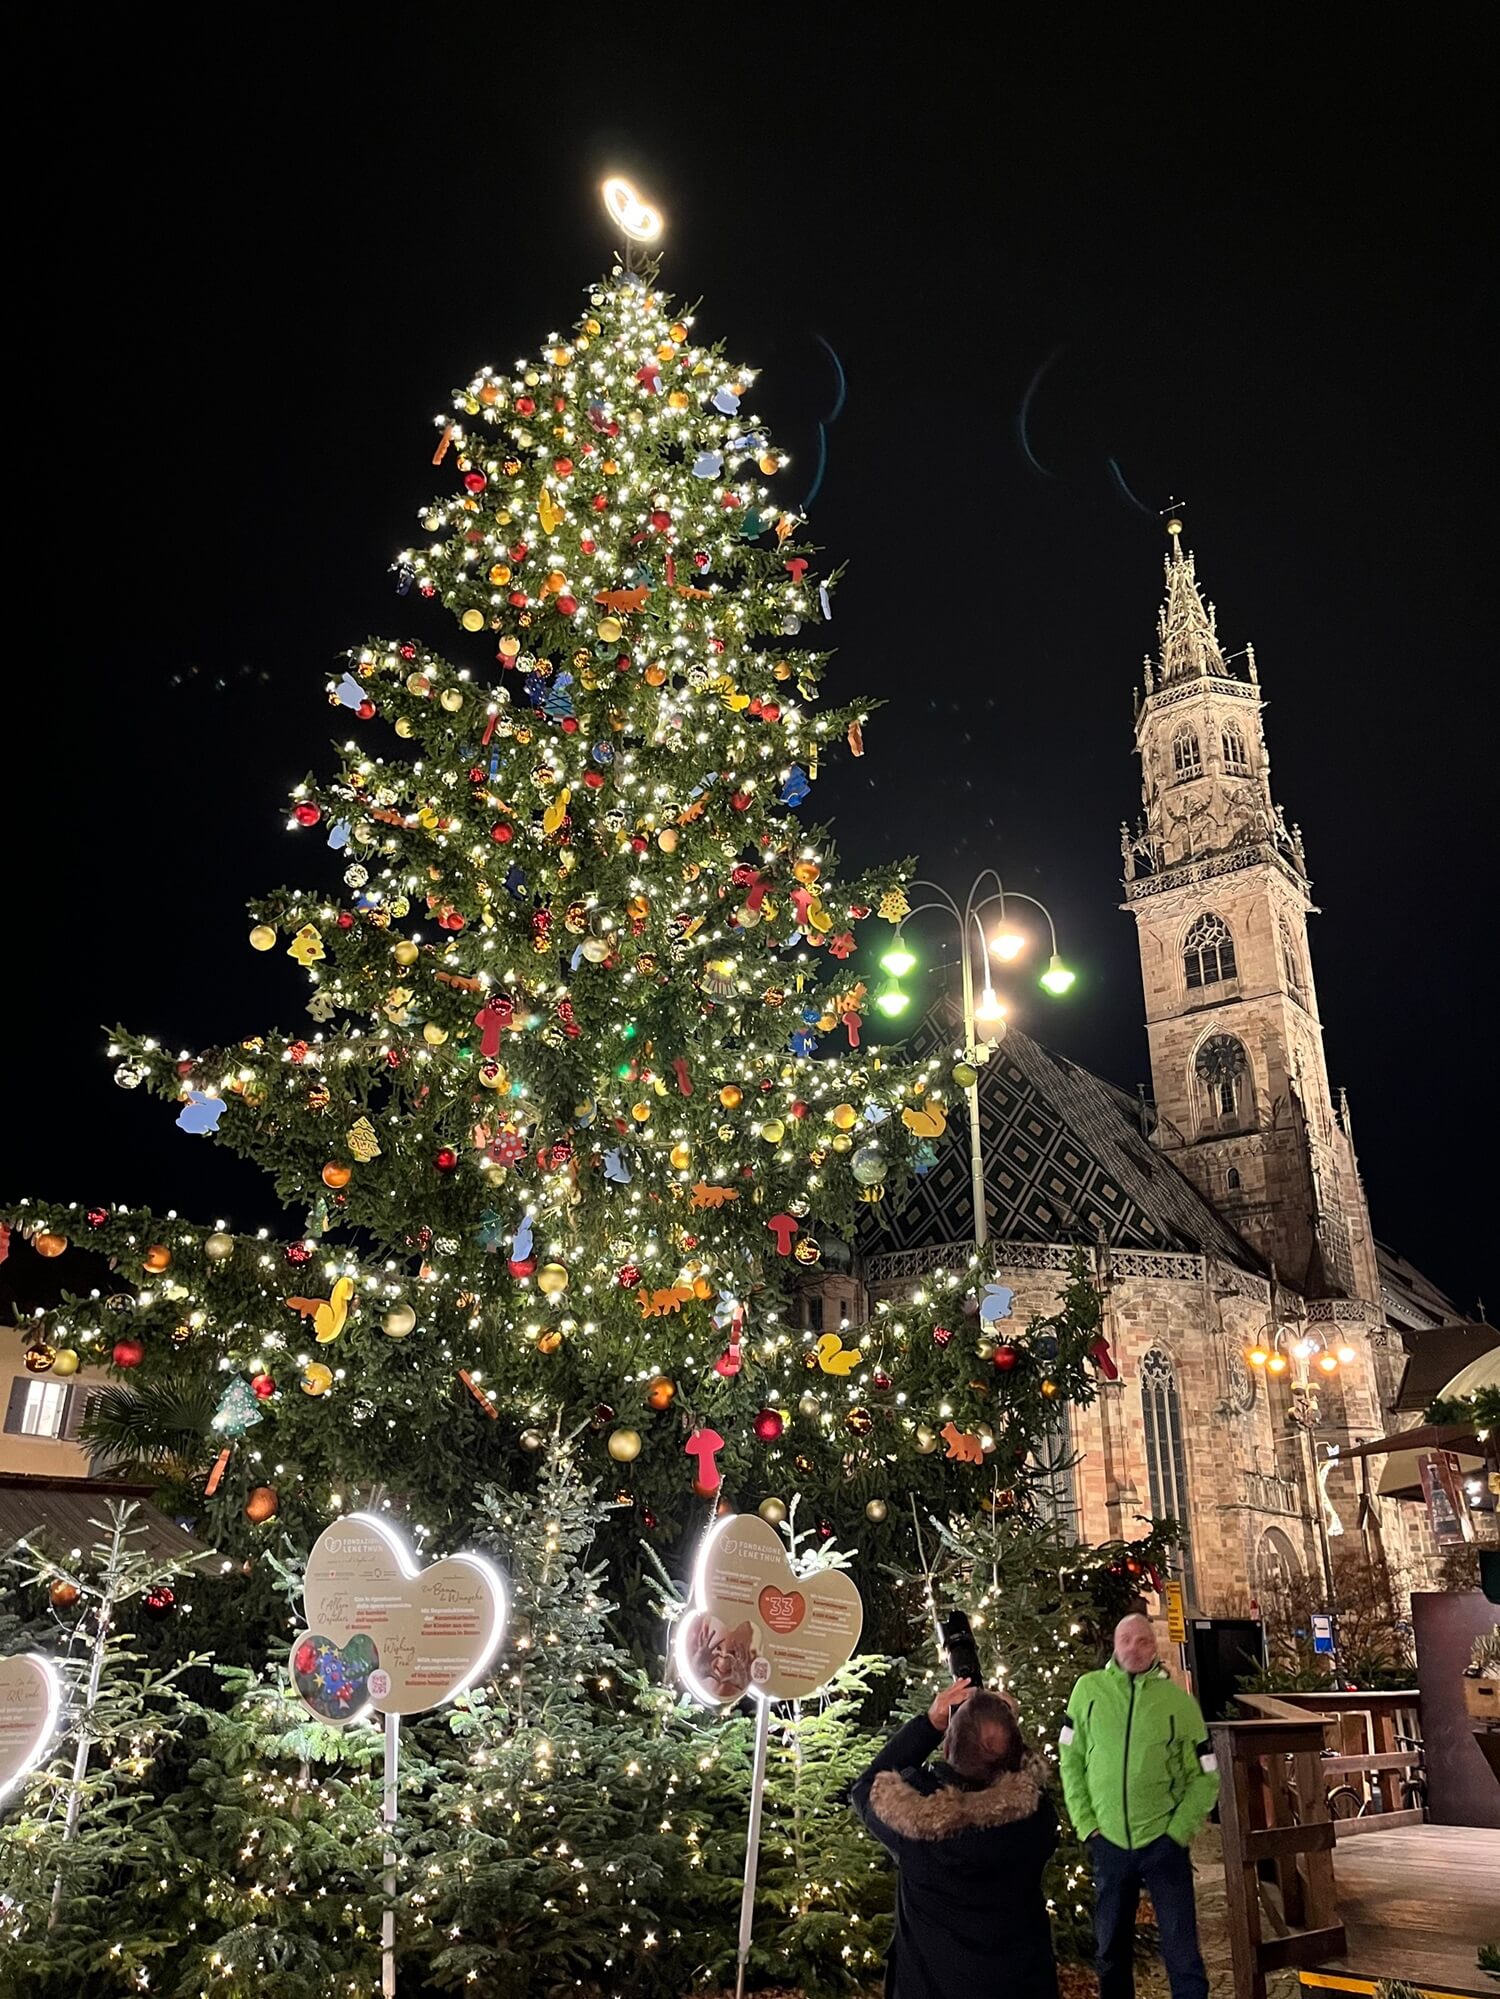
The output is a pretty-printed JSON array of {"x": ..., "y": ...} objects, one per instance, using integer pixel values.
[
  {"x": 892, "y": 1001},
  {"x": 898, "y": 960},
  {"x": 1057, "y": 978}
]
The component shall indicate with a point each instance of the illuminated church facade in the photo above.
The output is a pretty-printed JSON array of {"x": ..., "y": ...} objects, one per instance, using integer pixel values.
[{"x": 1225, "y": 1212}]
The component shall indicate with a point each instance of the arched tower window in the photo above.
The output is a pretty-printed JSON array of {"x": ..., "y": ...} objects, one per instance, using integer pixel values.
[
  {"x": 1166, "y": 1463},
  {"x": 1208, "y": 952},
  {"x": 1223, "y": 1072},
  {"x": 1236, "y": 762},
  {"x": 1291, "y": 964},
  {"x": 1186, "y": 758},
  {"x": 1232, "y": 1179}
]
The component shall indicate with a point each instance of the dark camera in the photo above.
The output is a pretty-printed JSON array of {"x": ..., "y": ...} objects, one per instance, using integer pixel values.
[{"x": 963, "y": 1653}]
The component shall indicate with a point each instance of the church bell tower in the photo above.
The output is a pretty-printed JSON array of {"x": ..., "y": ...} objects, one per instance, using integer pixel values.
[{"x": 1218, "y": 887}]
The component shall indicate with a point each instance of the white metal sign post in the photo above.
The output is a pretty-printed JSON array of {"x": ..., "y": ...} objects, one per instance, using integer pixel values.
[
  {"x": 384, "y": 1634},
  {"x": 756, "y": 1627}
]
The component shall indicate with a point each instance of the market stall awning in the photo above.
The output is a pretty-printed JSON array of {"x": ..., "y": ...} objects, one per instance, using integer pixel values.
[{"x": 1399, "y": 1476}]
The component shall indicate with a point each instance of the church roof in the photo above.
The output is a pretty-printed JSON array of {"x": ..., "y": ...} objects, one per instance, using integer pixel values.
[
  {"x": 1187, "y": 627},
  {"x": 1066, "y": 1158}
]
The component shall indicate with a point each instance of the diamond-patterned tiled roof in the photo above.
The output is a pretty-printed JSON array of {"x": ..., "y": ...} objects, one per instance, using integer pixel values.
[{"x": 1066, "y": 1160}]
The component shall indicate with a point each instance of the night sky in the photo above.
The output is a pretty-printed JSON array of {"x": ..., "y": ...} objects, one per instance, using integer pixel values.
[{"x": 1252, "y": 274}]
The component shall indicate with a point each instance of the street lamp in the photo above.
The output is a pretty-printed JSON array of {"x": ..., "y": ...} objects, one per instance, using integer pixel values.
[
  {"x": 984, "y": 1019},
  {"x": 1302, "y": 1353}
]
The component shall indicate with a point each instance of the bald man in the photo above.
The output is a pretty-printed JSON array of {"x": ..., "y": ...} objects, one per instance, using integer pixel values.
[{"x": 1140, "y": 1778}]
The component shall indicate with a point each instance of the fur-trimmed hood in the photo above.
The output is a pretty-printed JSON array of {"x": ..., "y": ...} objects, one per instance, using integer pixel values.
[{"x": 944, "y": 1813}]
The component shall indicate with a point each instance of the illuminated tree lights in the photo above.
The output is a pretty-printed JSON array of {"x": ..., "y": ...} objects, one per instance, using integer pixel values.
[{"x": 585, "y": 1076}]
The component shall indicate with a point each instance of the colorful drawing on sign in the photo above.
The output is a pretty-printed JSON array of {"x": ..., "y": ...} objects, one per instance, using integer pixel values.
[{"x": 756, "y": 1627}]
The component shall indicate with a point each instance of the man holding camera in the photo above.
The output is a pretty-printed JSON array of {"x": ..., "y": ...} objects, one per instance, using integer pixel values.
[{"x": 1140, "y": 1778}]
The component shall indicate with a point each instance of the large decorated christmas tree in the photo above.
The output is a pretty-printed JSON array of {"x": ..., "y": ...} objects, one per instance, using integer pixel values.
[{"x": 587, "y": 1071}]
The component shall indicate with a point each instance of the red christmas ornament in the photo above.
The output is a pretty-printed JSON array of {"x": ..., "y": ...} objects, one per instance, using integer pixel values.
[
  {"x": 941, "y": 1335},
  {"x": 594, "y": 779},
  {"x": 262, "y": 1385},
  {"x": 567, "y": 604},
  {"x": 588, "y": 544},
  {"x": 563, "y": 467},
  {"x": 661, "y": 521},
  {"x": 407, "y": 650},
  {"x": 740, "y": 801},
  {"x": 517, "y": 600},
  {"x": 769, "y": 1425},
  {"x": 97, "y": 1217},
  {"x": 345, "y": 920},
  {"x": 519, "y": 552},
  {"x": 648, "y": 1518},
  {"x": 525, "y": 406},
  {"x": 160, "y": 1600},
  {"x": 502, "y": 834},
  {"x": 880, "y": 1379},
  {"x": 628, "y": 1276},
  {"x": 298, "y": 1253},
  {"x": 306, "y": 814},
  {"x": 599, "y": 502},
  {"x": 475, "y": 482},
  {"x": 129, "y": 1353},
  {"x": 1006, "y": 1358},
  {"x": 799, "y": 1109},
  {"x": 366, "y": 710},
  {"x": 446, "y": 1159}
]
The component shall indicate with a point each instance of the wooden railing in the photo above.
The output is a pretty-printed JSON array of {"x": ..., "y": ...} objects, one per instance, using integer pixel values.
[
  {"x": 1367, "y": 1750},
  {"x": 1278, "y": 1847}
]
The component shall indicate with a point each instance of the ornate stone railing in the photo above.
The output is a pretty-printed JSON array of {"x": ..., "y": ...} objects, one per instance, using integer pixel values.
[
  {"x": 896, "y": 1266},
  {"x": 1269, "y": 1492}
]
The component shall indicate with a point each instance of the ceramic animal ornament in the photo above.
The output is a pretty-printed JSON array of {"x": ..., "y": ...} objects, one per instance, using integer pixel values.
[{"x": 834, "y": 1357}]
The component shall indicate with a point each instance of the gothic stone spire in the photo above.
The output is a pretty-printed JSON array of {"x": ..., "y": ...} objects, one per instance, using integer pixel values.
[{"x": 1186, "y": 627}]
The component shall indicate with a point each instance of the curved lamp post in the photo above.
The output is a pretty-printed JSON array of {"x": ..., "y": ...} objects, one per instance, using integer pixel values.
[{"x": 984, "y": 1021}]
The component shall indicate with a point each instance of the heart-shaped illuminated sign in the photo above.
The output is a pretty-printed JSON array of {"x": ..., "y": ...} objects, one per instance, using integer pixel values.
[
  {"x": 30, "y": 1699},
  {"x": 754, "y": 1627},
  {"x": 384, "y": 1633}
]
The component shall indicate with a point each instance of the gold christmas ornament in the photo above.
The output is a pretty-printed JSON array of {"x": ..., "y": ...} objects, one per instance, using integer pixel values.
[
  {"x": 262, "y": 938},
  {"x": 925, "y": 1440},
  {"x": 681, "y": 1157},
  {"x": 773, "y": 1510},
  {"x": 624, "y": 1446},
  {"x": 317, "y": 1378},
  {"x": 218, "y": 1247},
  {"x": 843, "y": 1117},
  {"x": 65, "y": 1361},
  {"x": 531, "y": 1440},
  {"x": 399, "y": 1321},
  {"x": 552, "y": 1280},
  {"x": 434, "y": 1035},
  {"x": 49, "y": 1243},
  {"x": 731, "y": 1097},
  {"x": 406, "y": 953},
  {"x": 876, "y": 1510}
]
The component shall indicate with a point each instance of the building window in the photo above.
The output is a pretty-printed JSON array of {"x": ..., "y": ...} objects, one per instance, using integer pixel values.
[
  {"x": 1232, "y": 1179},
  {"x": 1291, "y": 964},
  {"x": 1235, "y": 760},
  {"x": 1054, "y": 1492},
  {"x": 1186, "y": 760},
  {"x": 1208, "y": 953},
  {"x": 812, "y": 1311},
  {"x": 37, "y": 1409},
  {"x": 1166, "y": 1464},
  {"x": 1223, "y": 1072}
]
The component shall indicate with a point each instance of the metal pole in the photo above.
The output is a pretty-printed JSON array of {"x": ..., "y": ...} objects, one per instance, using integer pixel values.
[
  {"x": 976, "y": 1156},
  {"x": 1315, "y": 1495},
  {"x": 752, "y": 1842},
  {"x": 388, "y": 1814}
]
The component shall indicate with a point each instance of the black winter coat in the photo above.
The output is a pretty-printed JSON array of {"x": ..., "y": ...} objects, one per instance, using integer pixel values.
[{"x": 971, "y": 1918}]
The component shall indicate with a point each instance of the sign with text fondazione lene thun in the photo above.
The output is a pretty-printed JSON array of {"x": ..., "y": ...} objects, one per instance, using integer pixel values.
[
  {"x": 755, "y": 1627},
  {"x": 383, "y": 1632},
  {"x": 30, "y": 1697}
]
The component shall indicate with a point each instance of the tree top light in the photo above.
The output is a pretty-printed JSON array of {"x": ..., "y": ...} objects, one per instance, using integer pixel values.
[{"x": 629, "y": 212}]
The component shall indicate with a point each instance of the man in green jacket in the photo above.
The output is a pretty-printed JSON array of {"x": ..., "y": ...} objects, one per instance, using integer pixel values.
[{"x": 1140, "y": 1778}]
